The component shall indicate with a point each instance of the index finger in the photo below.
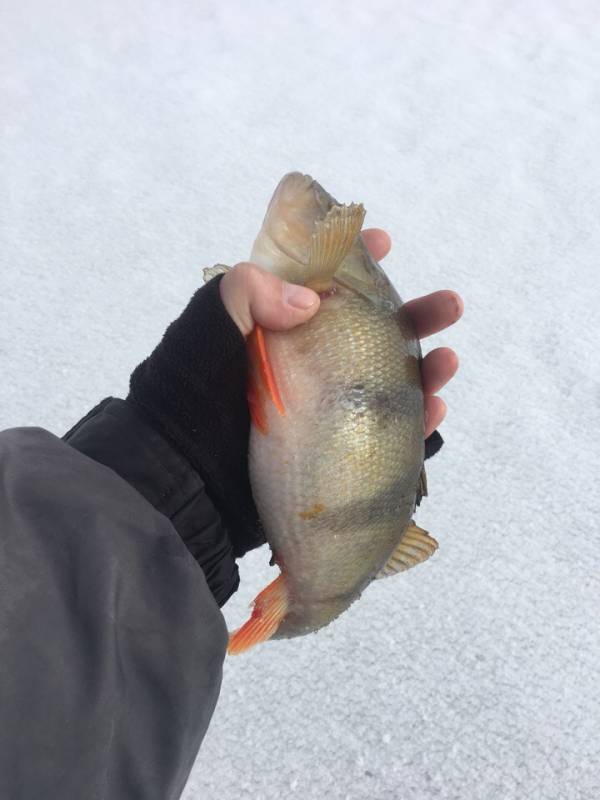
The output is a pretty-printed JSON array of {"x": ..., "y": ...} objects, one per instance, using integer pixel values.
[
  {"x": 377, "y": 241},
  {"x": 434, "y": 312}
]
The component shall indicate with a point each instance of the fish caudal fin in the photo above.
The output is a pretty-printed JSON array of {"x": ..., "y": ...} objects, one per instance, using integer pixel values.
[
  {"x": 331, "y": 242},
  {"x": 270, "y": 607},
  {"x": 415, "y": 546}
]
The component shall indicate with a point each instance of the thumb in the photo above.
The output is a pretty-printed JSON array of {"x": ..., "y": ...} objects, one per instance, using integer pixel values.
[{"x": 253, "y": 295}]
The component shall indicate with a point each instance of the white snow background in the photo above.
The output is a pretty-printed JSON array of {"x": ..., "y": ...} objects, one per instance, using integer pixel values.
[{"x": 141, "y": 141}]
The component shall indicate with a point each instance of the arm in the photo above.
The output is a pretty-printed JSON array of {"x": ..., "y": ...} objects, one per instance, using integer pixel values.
[{"x": 112, "y": 644}]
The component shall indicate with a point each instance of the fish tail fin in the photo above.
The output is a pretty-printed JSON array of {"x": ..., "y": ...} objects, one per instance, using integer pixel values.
[
  {"x": 269, "y": 609},
  {"x": 331, "y": 242}
]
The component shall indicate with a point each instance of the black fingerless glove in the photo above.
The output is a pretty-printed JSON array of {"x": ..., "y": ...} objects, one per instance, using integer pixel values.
[{"x": 193, "y": 389}]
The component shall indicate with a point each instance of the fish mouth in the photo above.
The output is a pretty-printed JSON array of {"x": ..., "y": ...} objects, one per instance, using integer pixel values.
[
  {"x": 298, "y": 202},
  {"x": 301, "y": 190}
]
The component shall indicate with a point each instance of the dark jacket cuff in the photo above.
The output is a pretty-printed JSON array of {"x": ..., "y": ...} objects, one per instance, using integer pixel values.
[{"x": 118, "y": 435}]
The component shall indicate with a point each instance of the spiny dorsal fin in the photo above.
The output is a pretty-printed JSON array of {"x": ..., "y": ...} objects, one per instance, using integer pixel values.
[
  {"x": 415, "y": 546},
  {"x": 211, "y": 272},
  {"x": 331, "y": 242}
]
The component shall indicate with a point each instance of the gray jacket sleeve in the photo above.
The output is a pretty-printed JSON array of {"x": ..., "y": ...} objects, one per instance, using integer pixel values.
[{"x": 112, "y": 644}]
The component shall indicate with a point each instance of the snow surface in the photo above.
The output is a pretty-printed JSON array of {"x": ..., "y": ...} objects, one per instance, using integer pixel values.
[{"x": 141, "y": 141}]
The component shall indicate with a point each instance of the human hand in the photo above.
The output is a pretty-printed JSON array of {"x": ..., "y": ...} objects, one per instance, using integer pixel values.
[{"x": 252, "y": 295}]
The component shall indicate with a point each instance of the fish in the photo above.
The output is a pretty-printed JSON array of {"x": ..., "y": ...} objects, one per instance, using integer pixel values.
[{"x": 336, "y": 448}]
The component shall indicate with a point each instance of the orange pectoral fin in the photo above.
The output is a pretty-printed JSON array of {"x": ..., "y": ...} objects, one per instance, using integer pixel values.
[
  {"x": 270, "y": 607},
  {"x": 260, "y": 355},
  {"x": 256, "y": 405}
]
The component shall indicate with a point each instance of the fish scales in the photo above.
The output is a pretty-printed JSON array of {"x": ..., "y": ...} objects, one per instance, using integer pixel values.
[{"x": 334, "y": 480}]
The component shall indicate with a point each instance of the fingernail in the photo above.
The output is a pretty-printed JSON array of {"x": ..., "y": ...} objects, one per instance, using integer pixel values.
[{"x": 299, "y": 296}]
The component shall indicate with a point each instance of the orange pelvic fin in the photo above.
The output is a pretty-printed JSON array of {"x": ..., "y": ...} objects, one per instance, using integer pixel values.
[
  {"x": 258, "y": 350},
  {"x": 270, "y": 607}
]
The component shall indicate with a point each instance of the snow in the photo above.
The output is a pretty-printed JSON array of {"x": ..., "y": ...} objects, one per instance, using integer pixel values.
[{"x": 141, "y": 142}]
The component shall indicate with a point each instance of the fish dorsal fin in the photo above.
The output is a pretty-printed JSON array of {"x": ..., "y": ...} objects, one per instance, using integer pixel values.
[
  {"x": 415, "y": 547},
  {"x": 331, "y": 242},
  {"x": 211, "y": 272}
]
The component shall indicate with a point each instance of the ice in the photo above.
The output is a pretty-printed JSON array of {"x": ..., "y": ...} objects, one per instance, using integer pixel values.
[{"x": 141, "y": 142}]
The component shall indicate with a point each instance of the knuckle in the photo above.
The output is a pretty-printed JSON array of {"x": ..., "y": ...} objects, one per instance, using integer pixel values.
[
  {"x": 247, "y": 268},
  {"x": 249, "y": 274}
]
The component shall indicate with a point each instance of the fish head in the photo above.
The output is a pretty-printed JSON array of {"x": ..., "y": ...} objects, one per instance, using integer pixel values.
[
  {"x": 306, "y": 233},
  {"x": 283, "y": 245}
]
